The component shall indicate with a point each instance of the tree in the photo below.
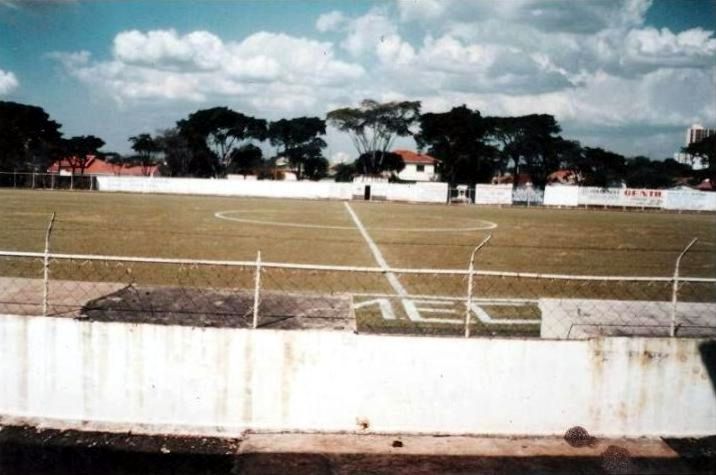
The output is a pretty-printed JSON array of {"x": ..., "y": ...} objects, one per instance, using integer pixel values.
[
  {"x": 147, "y": 149},
  {"x": 246, "y": 160},
  {"x": 373, "y": 127},
  {"x": 704, "y": 149},
  {"x": 376, "y": 162},
  {"x": 530, "y": 144},
  {"x": 344, "y": 172},
  {"x": 642, "y": 172},
  {"x": 80, "y": 149},
  {"x": 459, "y": 139},
  {"x": 316, "y": 167},
  {"x": 179, "y": 159},
  {"x": 29, "y": 139},
  {"x": 299, "y": 140},
  {"x": 214, "y": 133},
  {"x": 601, "y": 167}
]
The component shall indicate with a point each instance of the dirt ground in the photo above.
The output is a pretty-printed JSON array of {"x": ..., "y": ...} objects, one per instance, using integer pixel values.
[{"x": 26, "y": 450}]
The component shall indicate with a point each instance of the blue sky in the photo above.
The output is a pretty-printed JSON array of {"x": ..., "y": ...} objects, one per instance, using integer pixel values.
[{"x": 625, "y": 75}]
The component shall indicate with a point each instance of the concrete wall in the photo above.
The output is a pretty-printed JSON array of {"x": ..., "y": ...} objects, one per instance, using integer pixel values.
[
  {"x": 690, "y": 200},
  {"x": 560, "y": 195},
  {"x": 221, "y": 187},
  {"x": 208, "y": 381},
  {"x": 493, "y": 194},
  {"x": 418, "y": 192}
]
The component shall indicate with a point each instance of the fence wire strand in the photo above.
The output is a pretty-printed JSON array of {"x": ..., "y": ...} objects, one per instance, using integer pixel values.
[{"x": 427, "y": 301}]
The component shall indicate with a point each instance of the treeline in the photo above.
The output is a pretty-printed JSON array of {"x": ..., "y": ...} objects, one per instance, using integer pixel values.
[{"x": 471, "y": 148}]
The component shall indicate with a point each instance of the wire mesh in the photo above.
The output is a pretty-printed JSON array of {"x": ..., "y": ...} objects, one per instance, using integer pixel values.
[
  {"x": 46, "y": 181},
  {"x": 368, "y": 300}
]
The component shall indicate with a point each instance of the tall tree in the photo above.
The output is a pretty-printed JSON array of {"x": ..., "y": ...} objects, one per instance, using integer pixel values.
[
  {"x": 246, "y": 160},
  {"x": 219, "y": 131},
  {"x": 299, "y": 140},
  {"x": 178, "y": 157},
  {"x": 642, "y": 172},
  {"x": 374, "y": 126},
  {"x": 601, "y": 167},
  {"x": 29, "y": 139},
  {"x": 459, "y": 139},
  {"x": 704, "y": 149},
  {"x": 530, "y": 144},
  {"x": 80, "y": 149},
  {"x": 369, "y": 164},
  {"x": 147, "y": 149},
  {"x": 344, "y": 172}
]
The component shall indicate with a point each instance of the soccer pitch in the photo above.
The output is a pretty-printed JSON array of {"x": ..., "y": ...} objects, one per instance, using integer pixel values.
[
  {"x": 361, "y": 234},
  {"x": 565, "y": 241}
]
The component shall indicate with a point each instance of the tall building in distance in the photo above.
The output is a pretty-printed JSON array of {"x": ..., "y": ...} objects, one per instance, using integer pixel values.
[{"x": 695, "y": 133}]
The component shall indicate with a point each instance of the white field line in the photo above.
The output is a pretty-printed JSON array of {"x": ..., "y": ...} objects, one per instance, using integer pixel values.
[
  {"x": 484, "y": 225},
  {"x": 377, "y": 255}
]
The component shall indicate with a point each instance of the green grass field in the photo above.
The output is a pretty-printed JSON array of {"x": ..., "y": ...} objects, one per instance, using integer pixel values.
[
  {"x": 528, "y": 240},
  {"x": 559, "y": 241}
]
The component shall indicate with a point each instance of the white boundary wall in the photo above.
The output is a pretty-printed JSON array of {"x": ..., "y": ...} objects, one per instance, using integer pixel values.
[
  {"x": 627, "y": 197},
  {"x": 561, "y": 195},
  {"x": 690, "y": 200},
  {"x": 114, "y": 376},
  {"x": 493, "y": 194},
  {"x": 417, "y": 192}
]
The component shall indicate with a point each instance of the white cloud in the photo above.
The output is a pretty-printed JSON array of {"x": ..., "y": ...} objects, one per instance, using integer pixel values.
[
  {"x": 8, "y": 82},
  {"x": 199, "y": 49},
  {"x": 365, "y": 33},
  {"x": 266, "y": 70},
  {"x": 547, "y": 15},
  {"x": 332, "y": 21},
  {"x": 691, "y": 48},
  {"x": 594, "y": 65}
]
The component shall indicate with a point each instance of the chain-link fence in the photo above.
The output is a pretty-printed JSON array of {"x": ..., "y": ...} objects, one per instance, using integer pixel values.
[
  {"x": 246, "y": 294},
  {"x": 47, "y": 181}
]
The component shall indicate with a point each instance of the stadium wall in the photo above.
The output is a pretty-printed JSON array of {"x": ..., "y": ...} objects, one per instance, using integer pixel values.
[
  {"x": 417, "y": 192},
  {"x": 65, "y": 373},
  {"x": 687, "y": 200},
  {"x": 493, "y": 194}
]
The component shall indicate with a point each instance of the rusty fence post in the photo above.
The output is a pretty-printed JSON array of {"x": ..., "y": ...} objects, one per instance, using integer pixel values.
[
  {"x": 470, "y": 274},
  {"x": 46, "y": 271},
  {"x": 257, "y": 291}
]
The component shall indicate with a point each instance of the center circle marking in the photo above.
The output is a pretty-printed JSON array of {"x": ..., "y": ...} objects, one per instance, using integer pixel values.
[{"x": 227, "y": 215}]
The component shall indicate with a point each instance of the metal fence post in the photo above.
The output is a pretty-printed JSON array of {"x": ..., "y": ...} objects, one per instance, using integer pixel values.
[
  {"x": 257, "y": 290},
  {"x": 46, "y": 273},
  {"x": 675, "y": 288},
  {"x": 470, "y": 273}
]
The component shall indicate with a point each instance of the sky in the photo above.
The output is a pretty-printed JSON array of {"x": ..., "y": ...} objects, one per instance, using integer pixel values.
[{"x": 626, "y": 75}]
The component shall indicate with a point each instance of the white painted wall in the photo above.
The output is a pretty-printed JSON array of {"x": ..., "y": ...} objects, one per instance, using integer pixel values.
[
  {"x": 222, "y": 187},
  {"x": 411, "y": 173},
  {"x": 493, "y": 194},
  {"x": 690, "y": 200},
  {"x": 221, "y": 381},
  {"x": 561, "y": 195},
  {"x": 418, "y": 192}
]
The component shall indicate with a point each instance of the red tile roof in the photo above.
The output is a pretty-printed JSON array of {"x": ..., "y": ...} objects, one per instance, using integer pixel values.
[
  {"x": 97, "y": 166},
  {"x": 416, "y": 158}
]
